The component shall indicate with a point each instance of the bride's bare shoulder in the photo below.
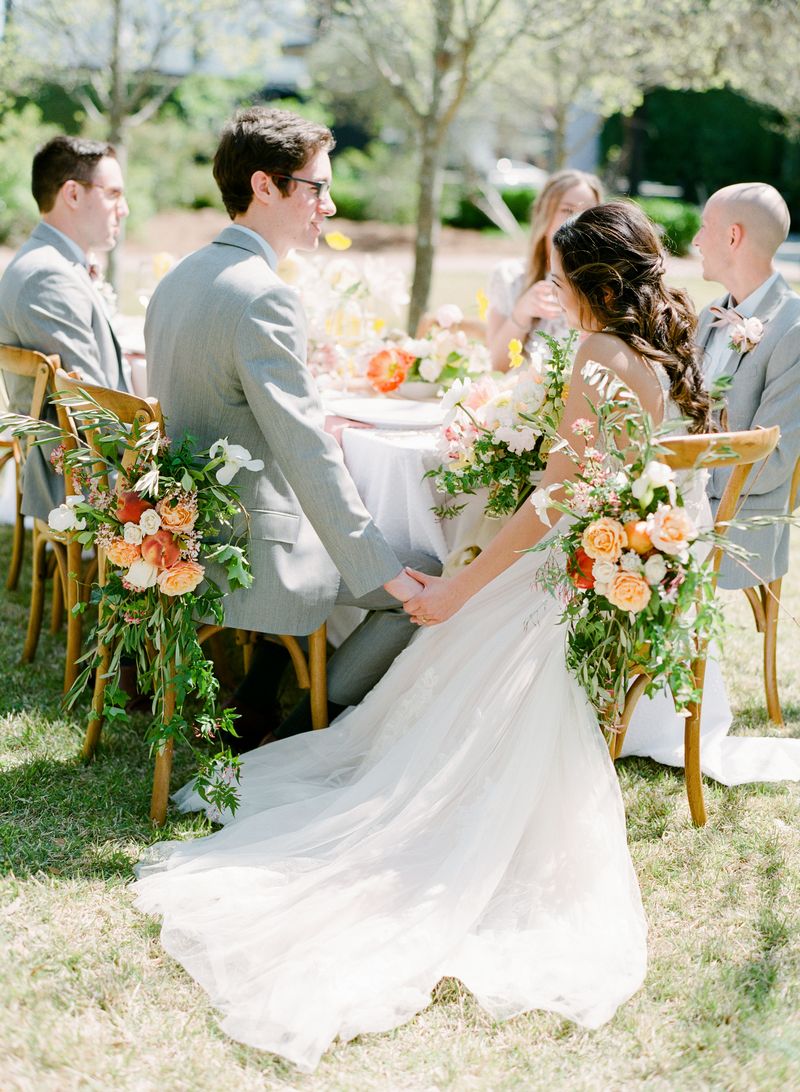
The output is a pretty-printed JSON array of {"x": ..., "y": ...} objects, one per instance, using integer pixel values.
[{"x": 613, "y": 353}]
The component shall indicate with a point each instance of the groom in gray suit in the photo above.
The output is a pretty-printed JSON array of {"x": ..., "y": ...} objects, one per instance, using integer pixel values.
[
  {"x": 226, "y": 352},
  {"x": 47, "y": 299},
  {"x": 742, "y": 228}
]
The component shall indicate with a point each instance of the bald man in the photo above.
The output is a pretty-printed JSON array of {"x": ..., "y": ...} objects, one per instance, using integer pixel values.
[{"x": 743, "y": 226}]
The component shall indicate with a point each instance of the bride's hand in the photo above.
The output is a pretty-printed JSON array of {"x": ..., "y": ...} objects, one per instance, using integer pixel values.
[{"x": 439, "y": 600}]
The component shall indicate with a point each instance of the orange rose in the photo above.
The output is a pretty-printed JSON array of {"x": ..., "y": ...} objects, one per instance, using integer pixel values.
[
  {"x": 179, "y": 517},
  {"x": 638, "y": 538},
  {"x": 671, "y": 530},
  {"x": 122, "y": 553},
  {"x": 183, "y": 577},
  {"x": 388, "y": 369},
  {"x": 604, "y": 539},
  {"x": 629, "y": 591}
]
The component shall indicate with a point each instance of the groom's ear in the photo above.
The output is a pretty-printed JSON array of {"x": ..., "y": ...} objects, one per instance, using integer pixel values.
[{"x": 263, "y": 187}]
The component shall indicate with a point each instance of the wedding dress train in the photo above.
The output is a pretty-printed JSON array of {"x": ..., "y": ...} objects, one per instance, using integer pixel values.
[{"x": 464, "y": 820}]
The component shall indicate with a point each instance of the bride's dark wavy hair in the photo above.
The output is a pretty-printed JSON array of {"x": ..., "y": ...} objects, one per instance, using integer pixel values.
[{"x": 612, "y": 258}]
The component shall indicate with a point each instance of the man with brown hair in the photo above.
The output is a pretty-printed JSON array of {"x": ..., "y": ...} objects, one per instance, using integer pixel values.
[
  {"x": 226, "y": 350},
  {"x": 48, "y": 301}
]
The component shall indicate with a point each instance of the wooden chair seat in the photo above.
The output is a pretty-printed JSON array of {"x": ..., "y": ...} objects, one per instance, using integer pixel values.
[{"x": 740, "y": 450}]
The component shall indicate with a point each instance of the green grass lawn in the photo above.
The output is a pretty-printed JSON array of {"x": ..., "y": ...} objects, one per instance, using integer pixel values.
[{"x": 90, "y": 1001}]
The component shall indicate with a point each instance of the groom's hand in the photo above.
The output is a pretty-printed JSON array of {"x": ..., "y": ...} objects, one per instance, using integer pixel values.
[{"x": 403, "y": 586}]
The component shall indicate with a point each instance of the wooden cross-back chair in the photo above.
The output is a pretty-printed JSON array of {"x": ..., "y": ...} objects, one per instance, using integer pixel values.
[
  {"x": 740, "y": 450},
  {"x": 11, "y": 455},
  {"x": 53, "y": 553},
  {"x": 765, "y": 602},
  {"x": 310, "y": 670}
]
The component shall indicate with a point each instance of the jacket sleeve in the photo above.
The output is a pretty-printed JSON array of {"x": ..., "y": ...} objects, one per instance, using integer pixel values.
[
  {"x": 55, "y": 316},
  {"x": 270, "y": 354},
  {"x": 779, "y": 405}
]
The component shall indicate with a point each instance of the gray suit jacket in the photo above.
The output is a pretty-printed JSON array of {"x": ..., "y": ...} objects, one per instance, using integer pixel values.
[
  {"x": 765, "y": 390},
  {"x": 226, "y": 351},
  {"x": 48, "y": 303}
]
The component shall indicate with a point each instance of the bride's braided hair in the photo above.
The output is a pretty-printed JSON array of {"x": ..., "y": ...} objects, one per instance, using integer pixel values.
[{"x": 612, "y": 258}]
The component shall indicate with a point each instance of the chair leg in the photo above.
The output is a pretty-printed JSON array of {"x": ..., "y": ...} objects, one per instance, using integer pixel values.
[
  {"x": 74, "y": 624},
  {"x": 163, "y": 768},
  {"x": 631, "y": 698},
  {"x": 691, "y": 752},
  {"x": 298, "y": 659},
  {"x": 772, "y": 601},
  {"x": 18, "y": 544},
  {"x": 57, "y": 605},
  {"x": 318, "y": 671},
  {"x": 38, "y": 577}
]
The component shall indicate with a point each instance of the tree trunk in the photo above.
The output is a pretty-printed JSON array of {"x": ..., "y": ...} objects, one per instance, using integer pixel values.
[
  {"x": 430, "y": 192},
  {"x": 116, "y": 129}
]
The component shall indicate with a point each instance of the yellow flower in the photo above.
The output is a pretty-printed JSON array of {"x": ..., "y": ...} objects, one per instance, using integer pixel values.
[
  {"x": 378, "y": 324},
  {"x": 483, "y": 304},
  {"x": 514, "y": 353},
  {"x": 337, "y": 241},
  {"x": 162, "y": 263}
]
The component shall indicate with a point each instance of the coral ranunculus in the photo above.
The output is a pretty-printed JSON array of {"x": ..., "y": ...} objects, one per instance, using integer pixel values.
[
  {"x": 122, "y": 553},
  {"x": 160, "y": 549},
  {"x": 580, "y": 569},
  {"x": 629, "y": 591},
  {"x": 130, "y": 506},
  {"x": 389, "y": 368},
  {"x": 179, "y": 517},
  {"x": 638, "y": 538},
  {"x": 182, "y": 577},
  {"x": 604, "y": 539}
]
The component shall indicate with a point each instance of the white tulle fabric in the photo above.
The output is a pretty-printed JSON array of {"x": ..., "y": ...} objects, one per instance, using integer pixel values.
[{"x": 464, "y": 820}]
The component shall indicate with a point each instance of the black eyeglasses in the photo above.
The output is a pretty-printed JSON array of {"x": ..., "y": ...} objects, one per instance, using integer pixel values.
[
  {"x": 322, "y": 188},
  {"x": 111, "y": 193}
]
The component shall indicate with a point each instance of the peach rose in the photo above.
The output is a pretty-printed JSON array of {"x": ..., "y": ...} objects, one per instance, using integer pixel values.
[
  {"x": 183, "y": 577},
  {"x": 671, "y": 530},
  {"x": 122, "y": 553},
  {"x": 629, "y": 591},
  {"x": 604, "y": 539},
  {"x": 178, "y": 518}
]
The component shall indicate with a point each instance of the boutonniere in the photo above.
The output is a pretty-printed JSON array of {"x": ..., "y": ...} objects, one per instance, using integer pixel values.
[
  {"x": 745, "y": 332},
  {"x": 103, "y": 288}
]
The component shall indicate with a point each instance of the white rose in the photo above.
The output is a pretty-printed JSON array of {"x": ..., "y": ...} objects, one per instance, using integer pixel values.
[
  {"x": 141, "y": 575},
  {"x": 655, "y": 569},
  {"x": 448, "y": 314},
  {"x": 753, "y": 329},
  {"x": 149, "y": 521},
  {"x": 133, "y": 534},
  {"x": 61, "y": 518},
  {"x": 603, "y": 573},
  {"x": 630, "y": 562},
  {"x": 429, "y": 370}
]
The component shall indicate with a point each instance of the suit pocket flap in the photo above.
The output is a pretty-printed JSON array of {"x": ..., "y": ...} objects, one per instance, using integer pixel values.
[{"x": 274, "y": 526}]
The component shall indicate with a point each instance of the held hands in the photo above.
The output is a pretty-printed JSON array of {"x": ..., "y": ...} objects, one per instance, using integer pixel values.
[
  {"x": 537, "y": 302},
  {"x": 439, "y": 600},
  {"x": 403, "y": 586}
]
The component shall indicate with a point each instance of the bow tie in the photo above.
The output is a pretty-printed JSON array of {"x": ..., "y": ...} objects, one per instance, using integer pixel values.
[
  {"x": 93, "y": 269},
  {"x": 725, "y": 316}
]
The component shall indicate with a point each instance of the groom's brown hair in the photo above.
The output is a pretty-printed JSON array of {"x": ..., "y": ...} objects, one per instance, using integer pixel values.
[
  {"x": 259, "y": 138},
  {"x": 61, "y": 159}
]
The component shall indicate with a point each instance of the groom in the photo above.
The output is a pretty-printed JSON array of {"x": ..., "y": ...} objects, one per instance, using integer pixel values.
[
  {"x": 742, "y": 228},
  {"x": 226, "y": 351}
]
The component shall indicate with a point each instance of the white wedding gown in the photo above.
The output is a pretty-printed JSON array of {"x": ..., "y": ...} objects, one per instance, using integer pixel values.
[{"x": 464, "y": 820}]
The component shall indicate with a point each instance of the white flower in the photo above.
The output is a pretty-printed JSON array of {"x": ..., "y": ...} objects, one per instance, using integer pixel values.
[
  {"x": 540, "y": 499},
  {"x": 64, "y": 518},
  {"x": 132, "y": 533},
  {"x": 235, "y": 458},
  {"x": 457, "y": 393},
  {"x": 603, "y": 573},
  {"x": 149, "y": 521},
  {"x": 448, "y": 314},
  {"x": 747, "y": 334},
  {"x": 630, "y": 562},
  {"x": 517, "y": 439},
  {"x": 141, "y": 575},
  {"x": 417, "y": 346},
  {"x": 655, "y": 569},
  {"x": 659, "y": 474},
  {"x": 429, "y": 370}
]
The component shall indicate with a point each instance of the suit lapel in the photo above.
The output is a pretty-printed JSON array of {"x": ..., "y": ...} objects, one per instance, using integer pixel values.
[{"x": 765, "y": 311}]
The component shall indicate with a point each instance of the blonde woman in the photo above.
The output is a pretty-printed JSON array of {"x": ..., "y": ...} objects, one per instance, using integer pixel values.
[{"x": 521, "y": 297}]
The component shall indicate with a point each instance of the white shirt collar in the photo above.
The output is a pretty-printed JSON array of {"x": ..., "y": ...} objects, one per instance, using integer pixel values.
[
  {"x": 80, "y": 257},
  {"x": 269, "y": 253},
  {"x": 748, "y": 307}
]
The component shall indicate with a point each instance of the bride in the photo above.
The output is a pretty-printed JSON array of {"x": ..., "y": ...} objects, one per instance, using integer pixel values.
[{"x": 465, "y": 819}]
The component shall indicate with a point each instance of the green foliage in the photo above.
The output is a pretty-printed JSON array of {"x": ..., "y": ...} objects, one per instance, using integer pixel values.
[
  {"x": 458, "y": 209},
  {"x": 679, "y": 221},
  {"x": 375, "y": 184},
  {"x": 21, "y": 132}
]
